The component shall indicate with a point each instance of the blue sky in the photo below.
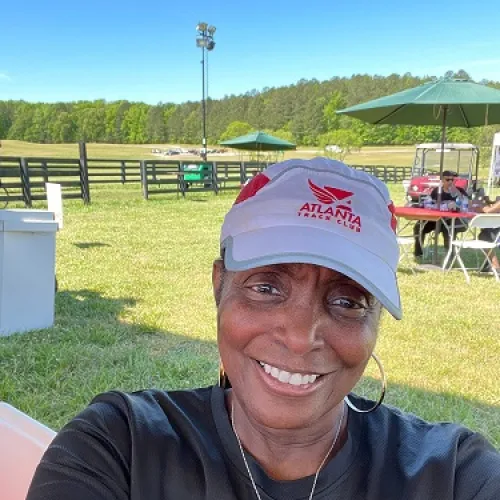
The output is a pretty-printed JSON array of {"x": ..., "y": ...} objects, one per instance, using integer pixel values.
[{"x": 145, "y": 50}]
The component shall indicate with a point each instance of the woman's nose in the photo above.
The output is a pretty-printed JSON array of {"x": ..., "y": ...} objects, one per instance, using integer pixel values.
[{"x": 303, "y": 327}]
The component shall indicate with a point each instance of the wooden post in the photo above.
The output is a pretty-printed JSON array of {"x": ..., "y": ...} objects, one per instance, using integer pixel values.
[
  {"x": 25, "y": 181},
  {"x": 84, "y": 173},
  {"x": 144, "y": 179},
  {"x": 45, "y": 171},
  {"x": 243, "y": 173},
  {"x": 123, "y": 172},
  {"x": 214, "y": 176},
  {"x": 181, "y": 182}
]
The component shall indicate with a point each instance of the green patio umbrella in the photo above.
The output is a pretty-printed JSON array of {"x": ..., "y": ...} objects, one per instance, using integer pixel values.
[
  {"x": 446, "y": 102},
  {"x": 258, "y": 141}
]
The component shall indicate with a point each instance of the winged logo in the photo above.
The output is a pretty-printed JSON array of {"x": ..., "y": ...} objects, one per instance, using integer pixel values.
[{"x": 327, "y": 194}]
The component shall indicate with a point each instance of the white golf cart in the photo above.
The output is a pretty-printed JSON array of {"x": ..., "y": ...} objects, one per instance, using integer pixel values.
[{"x": 460, "y": 158}]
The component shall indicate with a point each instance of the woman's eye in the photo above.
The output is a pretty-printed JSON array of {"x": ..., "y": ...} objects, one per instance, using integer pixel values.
[
  {"x": 345, "y": 302},
  {"x": 350, "y": 307},
  {"x": 265, "y": 288}
]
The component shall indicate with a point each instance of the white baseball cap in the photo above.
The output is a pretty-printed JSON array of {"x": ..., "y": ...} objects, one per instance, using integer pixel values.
[{"x": 317, "y": 211}]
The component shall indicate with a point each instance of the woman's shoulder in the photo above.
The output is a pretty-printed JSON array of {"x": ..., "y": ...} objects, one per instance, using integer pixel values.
[
  {"x": 149, "y": 405},
  {"x": 442, "y": 451},
  {"x": 413, "y": 431},
  {"x": 136, "y": 423},
  {"x": 121, "y": 417},
  {"x": 120, "y": 435}
]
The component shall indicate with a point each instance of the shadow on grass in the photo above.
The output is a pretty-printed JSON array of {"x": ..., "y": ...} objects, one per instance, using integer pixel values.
[
  {"x": 195, "y": 200},
  {"x": 91, "y": 244},
  {"x": 408, "y": 271},
  {"x": 53, "y": 374}
]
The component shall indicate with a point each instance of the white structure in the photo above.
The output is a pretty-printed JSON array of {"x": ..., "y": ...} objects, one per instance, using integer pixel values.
[
  {"x": 27, "y": 270},
  {"x": 54, "y": 202},
  {"x": 24, "y": 441},
  {"x": 495, "y": 163}
]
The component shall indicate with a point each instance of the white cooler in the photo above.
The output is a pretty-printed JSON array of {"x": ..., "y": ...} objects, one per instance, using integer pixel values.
[{"x": 27, "y": 270}]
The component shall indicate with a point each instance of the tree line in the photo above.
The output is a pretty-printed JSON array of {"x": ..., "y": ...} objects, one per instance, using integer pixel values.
[{"x": 304, "y": 113}]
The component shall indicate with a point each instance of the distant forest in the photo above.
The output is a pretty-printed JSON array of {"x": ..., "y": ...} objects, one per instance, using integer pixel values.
[{"x": 303, "y": 113}]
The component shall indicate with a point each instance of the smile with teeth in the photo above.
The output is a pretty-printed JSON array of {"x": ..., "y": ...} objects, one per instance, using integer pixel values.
[{"x": 287, "y": 377}]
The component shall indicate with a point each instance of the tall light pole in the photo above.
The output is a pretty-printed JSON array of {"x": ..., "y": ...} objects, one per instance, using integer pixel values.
[{"x": 204, "y": 40}]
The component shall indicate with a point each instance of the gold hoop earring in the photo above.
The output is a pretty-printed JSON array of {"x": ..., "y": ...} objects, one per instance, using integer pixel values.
[
  {"x": 223, "y": 378},
  {"x": 382, "y": 395}
]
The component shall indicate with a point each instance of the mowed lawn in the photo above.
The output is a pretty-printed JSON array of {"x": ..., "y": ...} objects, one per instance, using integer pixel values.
[
  {"x": 401, "y": 156},
  {"x": 384, "y": 155},
  {"x": 135, "y": 310}
]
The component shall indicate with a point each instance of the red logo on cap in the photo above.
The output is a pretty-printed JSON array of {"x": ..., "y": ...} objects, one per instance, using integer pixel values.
[
  {"x": 394, "y": 222},
  {"x": 328, "y": 195},
  {"x": 252, "y": 188},
  {"x": 341, "y": 213}
]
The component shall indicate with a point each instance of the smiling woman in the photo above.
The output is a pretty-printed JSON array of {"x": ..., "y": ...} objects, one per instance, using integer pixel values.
[{"x": 299, "y": 294}]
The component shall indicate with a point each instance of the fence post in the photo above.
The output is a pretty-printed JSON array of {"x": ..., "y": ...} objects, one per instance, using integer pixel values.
[
  {"x": 84, "y": 173},
  {"x": 243, "y": 173},
  {"x": 25, "y": 181},
  {"x": 45, "y": 171},
  {"x": 123, "y": 172},
  {"x": 215, "y": 178},
  {"x": 144, "y": 179}
]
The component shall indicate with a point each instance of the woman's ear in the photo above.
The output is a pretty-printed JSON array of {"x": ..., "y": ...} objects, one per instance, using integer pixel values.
[{"x": 217, "y": 279}]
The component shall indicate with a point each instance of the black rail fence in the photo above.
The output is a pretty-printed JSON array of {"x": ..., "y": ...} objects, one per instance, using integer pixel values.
[
  {"x": 386, "y": 173},
  {"x": 106, "y": 171},
  {"x": 23, "y": 179},
  {"x": 168, "y": 176}
]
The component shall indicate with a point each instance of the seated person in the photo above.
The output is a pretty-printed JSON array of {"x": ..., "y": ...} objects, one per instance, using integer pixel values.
[{"x": 450, "y": 193}]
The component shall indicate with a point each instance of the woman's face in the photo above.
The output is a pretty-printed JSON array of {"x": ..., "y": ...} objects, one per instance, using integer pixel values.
[{"x": 294, "y": 339}]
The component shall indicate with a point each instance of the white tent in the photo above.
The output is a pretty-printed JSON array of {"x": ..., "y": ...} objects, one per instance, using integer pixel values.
[{"x": 495, "y": 163}]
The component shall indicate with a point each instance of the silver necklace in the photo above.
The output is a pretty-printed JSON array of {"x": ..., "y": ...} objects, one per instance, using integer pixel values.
[{"x": 337, "y": 433}]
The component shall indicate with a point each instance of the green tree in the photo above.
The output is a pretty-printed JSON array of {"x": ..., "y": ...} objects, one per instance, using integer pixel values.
[
  {"x": 155, "y": 125},
  {"x": 306, "y": 110},
  {"x": 191, "y": 131},
  {"x": 331, "y": 118},
  {"x": 90, "y": 121},
  {"x": 282, "y": 133},
  {"x": 23, "y": 117},
  {"x": 7, "y": 110},
  {"x": 62, "y": 128},
  {"x": 133, "y": 126},
  {"x": 346, "y": 140},
  {"x": 235, "y": 129}
]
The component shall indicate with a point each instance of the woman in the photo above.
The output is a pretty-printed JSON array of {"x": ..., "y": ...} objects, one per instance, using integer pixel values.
[{"x": 309, "y": 260}]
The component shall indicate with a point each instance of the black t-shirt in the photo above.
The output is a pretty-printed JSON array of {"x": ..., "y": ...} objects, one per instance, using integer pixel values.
[
  {"x": 155, "y": 445},
  {"x": 448, "y": 196}
]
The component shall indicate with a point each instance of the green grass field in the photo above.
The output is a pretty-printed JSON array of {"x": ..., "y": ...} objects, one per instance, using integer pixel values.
[
  {"x": 135, "y": 310},
  {"x": 400, "y": 155}
]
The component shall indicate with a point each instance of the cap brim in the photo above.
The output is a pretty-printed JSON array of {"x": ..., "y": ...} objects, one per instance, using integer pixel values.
[{"x": 312, "y": 245}]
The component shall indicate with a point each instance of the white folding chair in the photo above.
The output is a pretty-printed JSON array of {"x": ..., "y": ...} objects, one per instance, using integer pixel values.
[
  {"x": 405, "y": 250},
  {"x": 482, "y": 221},
  {"x": 23, "y": 441}
]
